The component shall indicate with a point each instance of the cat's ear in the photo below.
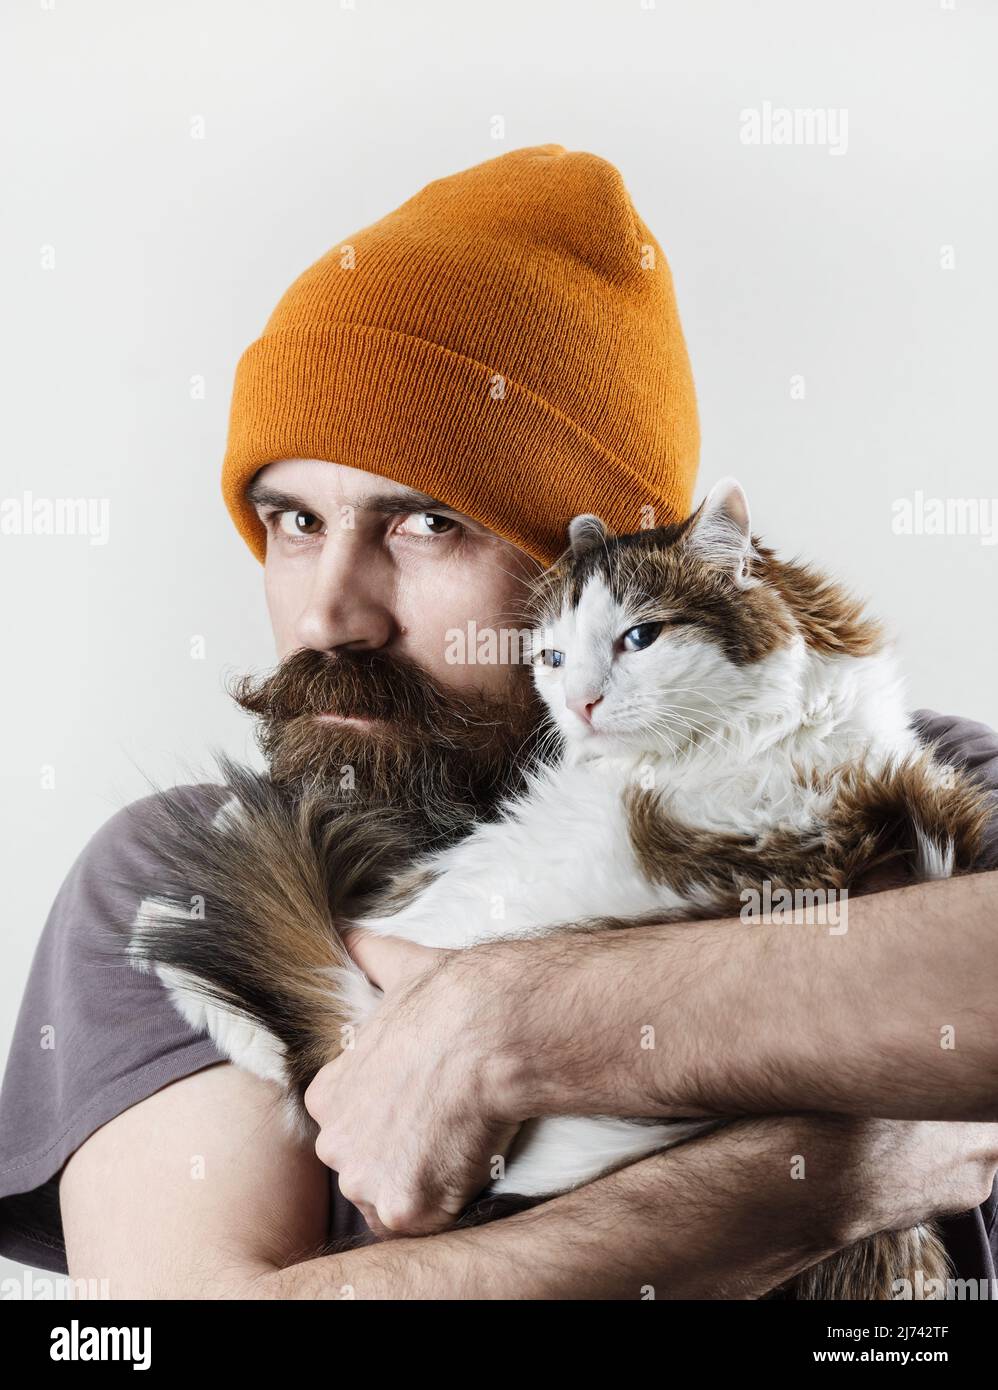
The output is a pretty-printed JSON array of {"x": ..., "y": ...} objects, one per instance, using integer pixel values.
[
  {"x": 585, "y": 532},
  {"x": 720, "y": 531}
]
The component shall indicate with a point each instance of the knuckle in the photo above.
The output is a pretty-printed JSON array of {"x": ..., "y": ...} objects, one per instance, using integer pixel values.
[
  {"x": 352, "y": 1190},
  {"x": 402, "y": 1214},
  {"x": 313, "y": 1097},
  {"x": 326, "y": 1148}
]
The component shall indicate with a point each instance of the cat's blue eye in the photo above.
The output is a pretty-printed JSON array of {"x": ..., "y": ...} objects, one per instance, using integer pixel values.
[
  {"x": 635, "y": 639},
  {"x": 551, "y": 657}
]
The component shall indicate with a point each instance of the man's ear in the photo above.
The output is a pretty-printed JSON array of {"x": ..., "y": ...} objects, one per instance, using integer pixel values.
[
  {"x": 720, "y": 532},
  {"x": 584, "y": 533}
]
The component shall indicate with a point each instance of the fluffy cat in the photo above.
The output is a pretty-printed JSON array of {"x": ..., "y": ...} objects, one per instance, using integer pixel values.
[{"x": 729, "y": 723}]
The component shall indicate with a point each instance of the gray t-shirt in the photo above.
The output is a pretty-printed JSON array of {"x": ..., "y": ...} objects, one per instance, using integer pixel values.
[{"x": 94, "y": 1038}]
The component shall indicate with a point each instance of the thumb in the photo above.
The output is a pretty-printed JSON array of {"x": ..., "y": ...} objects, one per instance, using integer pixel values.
[{"x": 388, "y": 960}]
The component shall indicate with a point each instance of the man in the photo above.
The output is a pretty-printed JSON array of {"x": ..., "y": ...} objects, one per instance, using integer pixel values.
[{"x": 427, "y": 407}]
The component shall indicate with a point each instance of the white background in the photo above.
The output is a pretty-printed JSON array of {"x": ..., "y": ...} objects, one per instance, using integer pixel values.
[{"x": 170, "y": 253}]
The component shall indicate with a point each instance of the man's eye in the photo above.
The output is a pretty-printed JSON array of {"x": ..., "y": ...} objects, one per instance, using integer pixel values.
[
  {"x": 635, "y": 639},
  {"x": 427, "y": 524},
  {"x": 297, "y": 523},
  {"x": 550, "y": 657}
]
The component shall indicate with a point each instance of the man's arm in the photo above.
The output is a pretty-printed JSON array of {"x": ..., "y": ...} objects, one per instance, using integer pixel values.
[
  {"x": 186, "y": 1193},
  {"x": 895, "y": 1017},
  {"x": 199, "y": 1192}
]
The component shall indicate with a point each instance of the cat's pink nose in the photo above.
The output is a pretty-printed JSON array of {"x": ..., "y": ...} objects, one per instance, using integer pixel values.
[{"x": 583, "y": 706}]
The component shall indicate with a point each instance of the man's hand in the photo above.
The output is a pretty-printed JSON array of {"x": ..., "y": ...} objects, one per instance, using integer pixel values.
[
  {"x": 466, "y": 1046},
  {"x": 889, "y": 1175},
  {"x": 409, "y": 1116}
]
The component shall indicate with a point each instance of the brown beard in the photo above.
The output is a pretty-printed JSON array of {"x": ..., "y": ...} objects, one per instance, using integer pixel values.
[{"x": 446, "y": 757}]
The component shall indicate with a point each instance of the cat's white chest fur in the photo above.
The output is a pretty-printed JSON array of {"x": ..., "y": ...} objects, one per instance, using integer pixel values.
[{"x": 563, "y": 855}]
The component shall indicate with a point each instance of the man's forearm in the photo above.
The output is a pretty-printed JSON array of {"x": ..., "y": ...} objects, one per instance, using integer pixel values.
[
  {"x": 715, "y": 1218},
  {"x": 897, "y": 1016}
]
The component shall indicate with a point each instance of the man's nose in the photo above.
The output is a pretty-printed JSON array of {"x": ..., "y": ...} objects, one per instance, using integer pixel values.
[
  {"x": 583, "y": 705},
  {"x": 348, "y": 601}
]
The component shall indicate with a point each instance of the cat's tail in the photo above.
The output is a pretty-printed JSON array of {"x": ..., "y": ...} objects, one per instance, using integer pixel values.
[{"x": 240, "y": 924}]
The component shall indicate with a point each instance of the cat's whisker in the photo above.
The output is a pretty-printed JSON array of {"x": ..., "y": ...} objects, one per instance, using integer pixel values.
[
  {"x": 661, "y": 726},
  {"x": 672, "y": 746},
  {"x": 698, "y": 690},
  {"x": 549, "y": 740},
  {"x": 701, "y": 732},
  {"x": 702, "y": 717},
  {"x": 722, "y": 737}
]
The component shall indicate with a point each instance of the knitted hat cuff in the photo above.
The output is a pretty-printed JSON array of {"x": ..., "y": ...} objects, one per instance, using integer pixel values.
[{"x": 431, "y": 419}]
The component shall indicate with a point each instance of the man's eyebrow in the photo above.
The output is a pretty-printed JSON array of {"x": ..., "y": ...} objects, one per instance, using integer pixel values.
[
  {"x": 384, "y": 504},
  {"x": 405, "y": 499},
  {"x": 259, "y": 495}
]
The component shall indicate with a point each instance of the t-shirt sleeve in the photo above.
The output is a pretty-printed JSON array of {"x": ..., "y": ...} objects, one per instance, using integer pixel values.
[
  {"x": 967, "y": 744},
  {"x": 93, "y": 1036}
]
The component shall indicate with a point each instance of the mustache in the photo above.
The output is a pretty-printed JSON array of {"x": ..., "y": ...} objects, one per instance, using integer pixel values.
[
  {"x": 366, "y": 685},
  {"x": 440, "y": 756}
]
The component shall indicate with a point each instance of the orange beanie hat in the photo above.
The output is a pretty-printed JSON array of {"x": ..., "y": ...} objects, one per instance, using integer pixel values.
[{"x": 506, "y": 341}]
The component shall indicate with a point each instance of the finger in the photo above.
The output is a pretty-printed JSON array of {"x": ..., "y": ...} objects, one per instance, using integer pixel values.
[
  {"x": 314, "y": 1093},
  {"x": 382, "y": 1232},
  {"x": 369, "y": 1212},
  {"x": 388, "y": 960}
]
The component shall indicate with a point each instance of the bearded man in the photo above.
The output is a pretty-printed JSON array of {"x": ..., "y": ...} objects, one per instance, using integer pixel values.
[{"x": 424, "y": 412}]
